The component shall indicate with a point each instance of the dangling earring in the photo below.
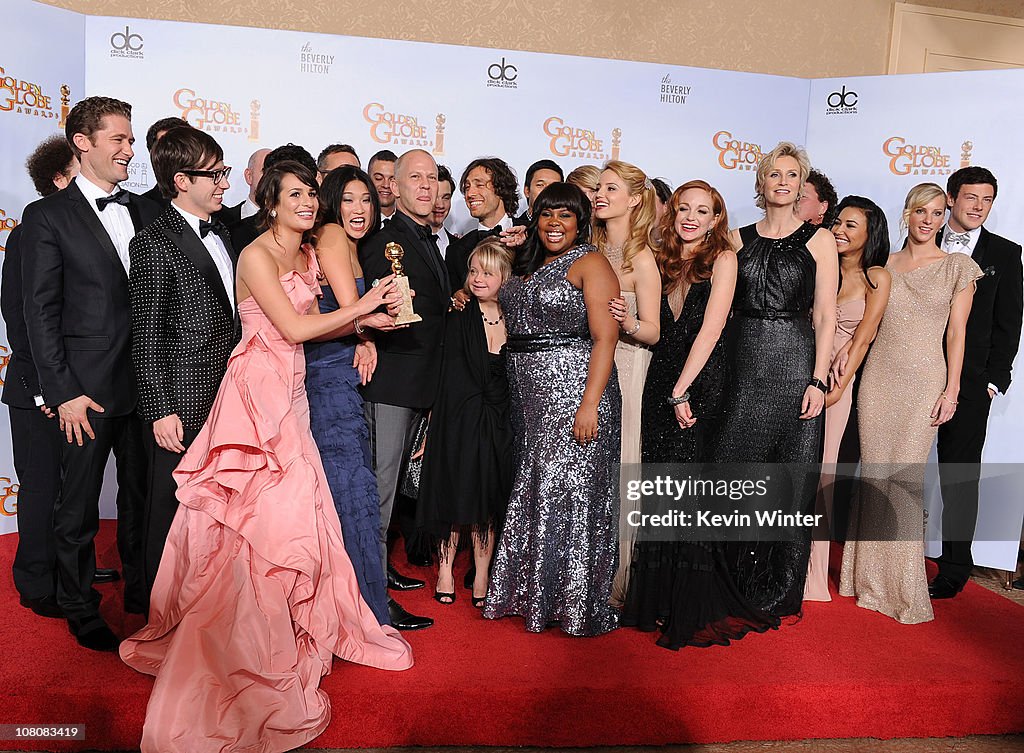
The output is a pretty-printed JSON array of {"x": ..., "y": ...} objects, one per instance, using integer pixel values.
[
  {"x": 273, "y": 213},
  {"x": 707, "y": 235}
]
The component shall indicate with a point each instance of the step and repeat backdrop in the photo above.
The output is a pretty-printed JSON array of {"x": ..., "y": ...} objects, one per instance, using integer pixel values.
[{"x": 255, "y": 88}]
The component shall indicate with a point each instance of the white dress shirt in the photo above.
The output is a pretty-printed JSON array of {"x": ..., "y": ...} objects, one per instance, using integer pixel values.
[
  {"x": 115, "y": 218},
  {"x": 505, "y": 223},
  {"x": 248, "y": 209},
  {"x": 442, "y": 241},
  {"x": 218, "y": 253}
]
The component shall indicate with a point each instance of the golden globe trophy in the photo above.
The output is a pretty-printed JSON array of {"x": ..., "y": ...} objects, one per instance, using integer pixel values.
[{"x": 393, "y": 252}]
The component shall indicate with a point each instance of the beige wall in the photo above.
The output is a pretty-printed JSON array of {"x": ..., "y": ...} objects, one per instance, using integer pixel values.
[{"x": 811, "y": 38}]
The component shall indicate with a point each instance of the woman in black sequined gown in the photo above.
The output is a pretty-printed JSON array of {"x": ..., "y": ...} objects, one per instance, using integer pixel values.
[
  {"x": 684, "y": 586},
  {"x": 784, "y": 319}
]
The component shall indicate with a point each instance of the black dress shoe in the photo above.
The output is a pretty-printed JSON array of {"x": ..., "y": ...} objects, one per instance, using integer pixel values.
[
  {"x": 96, "y": 637},
  {"x": 105, "y": 575},
  {"x": 1019, "y": 584},
  {"x": 403, "y": 620},
  {"x": 943, "y": 588},
  {"x": 399, "y": 582},
  {"x": 420, "y": 560},
  {"x": 44, "y": 607}
]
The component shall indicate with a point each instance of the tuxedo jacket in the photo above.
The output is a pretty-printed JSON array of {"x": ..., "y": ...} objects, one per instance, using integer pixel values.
[
  {"x": 244, "y": 232},
  {"x": 21, "y": 384},
  {"x": 230, "y": 216},
  {"x": 408, "y": 360},
  {"x": 994, "y": 326},
  {"x": 457, "y": 258},
  {"x": 77, "y": 312},
  {"x": 156, "y": 196},
  {"x": 183, "y": 324}
]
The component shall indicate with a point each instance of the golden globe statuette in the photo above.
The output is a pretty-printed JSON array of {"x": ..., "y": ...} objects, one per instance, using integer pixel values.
[{"x": 393, "y": 252}]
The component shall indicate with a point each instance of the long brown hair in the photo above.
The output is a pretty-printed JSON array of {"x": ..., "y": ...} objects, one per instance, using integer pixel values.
[{"x": 669, "y": 253}]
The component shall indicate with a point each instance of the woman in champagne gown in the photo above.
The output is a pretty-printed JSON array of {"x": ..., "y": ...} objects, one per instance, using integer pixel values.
[
  {"x": 255, "y": 594},
  {"x": 624, "y": 208},
  {"x": 909, "y": 388},
  {"x": 862, "y": 239},
  {"x": 558, "y": 551},
  {"x": 780, "y": 345}
]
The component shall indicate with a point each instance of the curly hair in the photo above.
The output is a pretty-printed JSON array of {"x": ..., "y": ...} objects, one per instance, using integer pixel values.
[
  {"x": 504, "y": 180},
  {"x": 641, "y": 220},
  {"x": 87, "y": 117},
  {"x": 51, "y": 158},
  {"x": 827, "y": 193},
  {"x": 669, "y": 253}
]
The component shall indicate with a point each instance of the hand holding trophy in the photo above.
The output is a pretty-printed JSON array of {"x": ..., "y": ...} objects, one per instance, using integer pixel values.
[{"x": 393, "y": 252}]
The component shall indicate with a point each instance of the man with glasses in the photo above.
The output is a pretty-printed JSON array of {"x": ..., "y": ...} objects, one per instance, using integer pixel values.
[
  {"x": 183, "y": 316},
  {"x": 74, "y": 267}
]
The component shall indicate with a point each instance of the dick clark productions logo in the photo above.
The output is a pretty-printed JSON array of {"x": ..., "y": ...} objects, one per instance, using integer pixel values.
[
  {"x": 126, "y": 44},
  {"x": 502, "y": 75},
  {"x": 842, "y": 102}
]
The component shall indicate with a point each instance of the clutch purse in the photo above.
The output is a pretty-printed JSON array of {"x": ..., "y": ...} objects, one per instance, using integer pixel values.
[{"x": 410, "y": 483}]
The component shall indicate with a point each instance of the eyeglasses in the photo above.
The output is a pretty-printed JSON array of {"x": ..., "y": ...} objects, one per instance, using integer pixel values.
[{"x": 215, "y": 175}]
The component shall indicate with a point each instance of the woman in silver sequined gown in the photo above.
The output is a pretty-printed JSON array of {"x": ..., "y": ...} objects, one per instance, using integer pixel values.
[{"x": 558, "y": 551}]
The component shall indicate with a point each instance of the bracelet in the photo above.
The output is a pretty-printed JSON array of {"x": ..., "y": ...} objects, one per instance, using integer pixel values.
[
  {"x": 359, "y": 329},
  {"x": 951, "y": 402},
  {"x": 684, "y": 398},
  {"x": 633, "y": 331},
  {"x": 815, "y": 382}
]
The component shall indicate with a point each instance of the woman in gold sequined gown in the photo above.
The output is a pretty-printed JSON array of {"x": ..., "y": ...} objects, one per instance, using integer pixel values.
[
  {"x": 908, "y": 390},
  {"x": 624, "y": 209}
]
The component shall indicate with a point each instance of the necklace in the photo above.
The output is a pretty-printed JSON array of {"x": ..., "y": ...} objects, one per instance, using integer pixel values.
[{"x": 488, "y": 321}]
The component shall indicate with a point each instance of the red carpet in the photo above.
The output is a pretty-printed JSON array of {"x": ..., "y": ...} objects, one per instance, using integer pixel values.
[{"x": 840, "y": 672}]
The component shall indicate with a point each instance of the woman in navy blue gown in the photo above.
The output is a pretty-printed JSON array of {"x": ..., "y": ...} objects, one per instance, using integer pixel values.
[{"x": 349, "y": 210}]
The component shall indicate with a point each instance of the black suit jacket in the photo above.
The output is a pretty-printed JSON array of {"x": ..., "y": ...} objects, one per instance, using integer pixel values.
[
  {"x": 76, "y": 304},
  {"x": 994, "y": 326},
  {"x": 183, "y": 323},
  {"x": 244, "y": 232},
  {"x": 156, "y": 197},
  {"x": 408, "y": 360},
  {"x": 457, "y": 258},
  {"x": 230, "y": 216},
  {"x": 21, "y": 384}
]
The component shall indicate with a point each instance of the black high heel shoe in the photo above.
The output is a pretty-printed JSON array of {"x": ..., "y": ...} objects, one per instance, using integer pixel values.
[
  {"x": 440, "y": 596},
  {"x": 478, "y": 601}
]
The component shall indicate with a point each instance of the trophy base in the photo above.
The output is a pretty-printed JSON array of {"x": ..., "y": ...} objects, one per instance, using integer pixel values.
[
  {"x": 405, "y": 314},
  {"x": 409, "y": 318}
]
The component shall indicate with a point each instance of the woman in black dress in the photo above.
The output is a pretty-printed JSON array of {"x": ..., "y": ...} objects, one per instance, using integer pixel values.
[
  {"x": 682, "y": 586},
  {"x": 784, "y": 320},
  {"x": 467, "y": 463}
]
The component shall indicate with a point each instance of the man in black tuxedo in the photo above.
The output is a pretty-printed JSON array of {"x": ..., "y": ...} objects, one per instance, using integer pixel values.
[
  {"x": 408, "y": 360},
  {"x": 183, "y": 317},
  {"x": 246, "y": 231},
  {"x": 232, "y": 216},
  {"x": 332, "y": 157},
  {"x": 34, "y": 439},
  {"x": 153, "y": 135},
  {"x": 491, "y": 192},
  {"x": 538, "y": 176},
  {"x": 993, "y": 336},
  {"x": 442, "y": 206},
  {"x": 75, "y": 266},
  {"x": 381, "y": 169}
]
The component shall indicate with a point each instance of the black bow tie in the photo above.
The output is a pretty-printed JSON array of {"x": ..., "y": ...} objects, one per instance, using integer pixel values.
[
  {"x": 494, "y": 231},
  {"x": 216, "y": 226},
  {"x": 119, "y": 196}
]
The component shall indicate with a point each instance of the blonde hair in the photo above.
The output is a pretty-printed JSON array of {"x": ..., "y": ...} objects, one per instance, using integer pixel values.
[
  {"x": 641, "y": 218},
  {"x": 920, "y": 195},
  {"x": 492, "y": 256},
  {"x": 586, "y": 177},
  {"x": 767, "y": 162}
]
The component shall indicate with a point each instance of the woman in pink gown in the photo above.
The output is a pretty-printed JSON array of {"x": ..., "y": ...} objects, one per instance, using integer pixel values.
[
  {"x": 862, "y": 240},
  {"x": 255, "y": 594}
]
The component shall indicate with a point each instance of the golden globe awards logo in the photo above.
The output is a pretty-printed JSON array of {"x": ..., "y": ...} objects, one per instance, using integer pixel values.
[
  {"x": 567, "y": 140},
  {"x": 388, "y": 127},
  {"x": 210, "y": 115},
  {"x": 502, "y": 75},
  {"x": 9, "y": 496},
  {"x": 313, "y": 62},
  {"x": 672, "y": 93},
  {"x": 734, "y": 154},
  {"x": 24, "y": 97},
  {"x": 915, "y": 159},
  {"x": 7, "y": 224},
  {"x": 138, "y": 177},
  {"x": 126, "y": 44}
]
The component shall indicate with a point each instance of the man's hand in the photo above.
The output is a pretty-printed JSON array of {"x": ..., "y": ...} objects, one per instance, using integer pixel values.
[
  {"x": 169, "y": 433},
  {"x": 74, "y": 419}
]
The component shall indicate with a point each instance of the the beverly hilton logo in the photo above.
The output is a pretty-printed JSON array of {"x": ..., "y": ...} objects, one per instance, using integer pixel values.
[
  {"x": 672, "y": 93},
  {"x": 915, "y": 159},
  {"x": 7, "y": 224},
  {"x": 27, "y": 98},
  {"x": 313, "y": 62},
  {"x": 388, "y": 127},
  {"x": 215, "y": 116},
  {"x": 567, "y": 140},
  {"x": 734, "y": 154}
]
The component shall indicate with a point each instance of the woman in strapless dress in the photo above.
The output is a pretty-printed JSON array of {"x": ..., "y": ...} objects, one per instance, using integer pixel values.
[{"x": 862, "y": 240}]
